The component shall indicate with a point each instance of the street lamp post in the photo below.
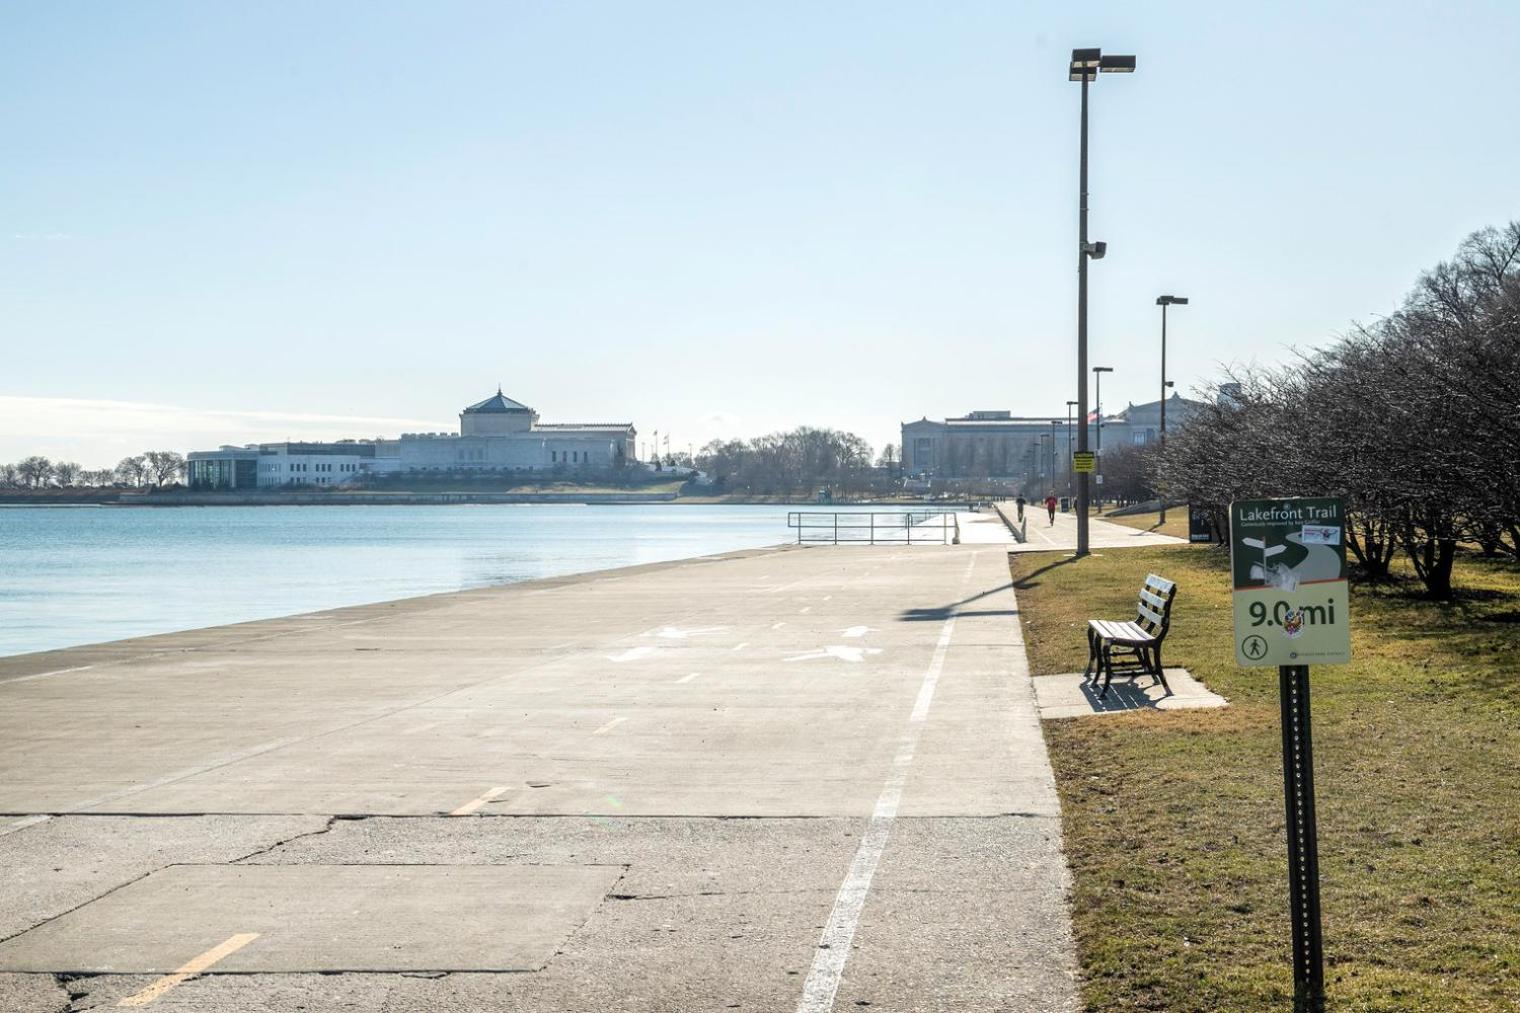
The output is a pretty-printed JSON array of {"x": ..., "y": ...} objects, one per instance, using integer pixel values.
[
  {"x": 1098, "y": 372},
  {"x": 1164, "y": 301},
  {"x": 1053, "y": 424},
  {"x": 1086, "y": 65},
  {"x": 1069, "y": 406}
]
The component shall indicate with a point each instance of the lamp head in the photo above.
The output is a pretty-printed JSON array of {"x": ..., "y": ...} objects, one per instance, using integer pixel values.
[
  {"x": 1096, "y": 250},
  {"x": 1171, "y": 300},
  {"x": 1103, "y": 369}
]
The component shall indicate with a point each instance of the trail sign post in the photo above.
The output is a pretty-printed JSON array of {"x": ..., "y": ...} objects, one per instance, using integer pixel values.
[
  {"x": 1200, "y": 525},
  {"x": 1288, "y": 564}
]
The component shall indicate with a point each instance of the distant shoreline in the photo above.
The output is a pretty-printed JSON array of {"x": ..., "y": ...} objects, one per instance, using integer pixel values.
[{"x": 185, "y": 498}]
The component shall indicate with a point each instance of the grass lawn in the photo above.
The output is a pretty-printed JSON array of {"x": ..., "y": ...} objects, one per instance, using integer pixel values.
[
  {"x": 1176, "y": 522},
  {"x": 1174, "y": 821}
]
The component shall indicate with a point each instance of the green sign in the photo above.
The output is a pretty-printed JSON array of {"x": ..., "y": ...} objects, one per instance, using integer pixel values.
[
  {"x": 1288, "y": 563},
  {"x": 1084, "y": 461}
]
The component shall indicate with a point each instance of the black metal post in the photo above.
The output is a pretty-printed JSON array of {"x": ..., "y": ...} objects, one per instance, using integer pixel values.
[
  {"x": 1082, "y": 487},
  {"x": 1162, "y": 518},
  {"x": 1303, "y": 840}
]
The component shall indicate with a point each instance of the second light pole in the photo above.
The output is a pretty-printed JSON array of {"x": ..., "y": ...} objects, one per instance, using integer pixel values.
[
  {"x": 1164, "y": 301},
  {"x": 1098, "y": 372}
]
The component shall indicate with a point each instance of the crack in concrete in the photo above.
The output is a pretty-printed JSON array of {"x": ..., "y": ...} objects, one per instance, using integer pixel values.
[
  {"x": 325, "y": 828},
  {"x": 75, "y": 994}
]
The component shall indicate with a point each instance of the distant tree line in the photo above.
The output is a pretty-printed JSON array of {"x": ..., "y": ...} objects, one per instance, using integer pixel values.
[
  {"x": 151, "y": 469},
  {"x": 1414, "y": 421},
  {"x": 797, "y": 462}
]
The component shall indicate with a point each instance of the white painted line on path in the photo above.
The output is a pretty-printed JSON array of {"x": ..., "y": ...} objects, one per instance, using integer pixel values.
[
  {"x": 476, "y": 803},
  {"x": 777, "y": 626},
  {"x": 194, "y": 967},
  {"x": 856, "y": 631},
  {"x": 23, "y": 823},
  {"x": 805, "y": 609},
  {"x": 632, "y": 654},
  {"x": 840, "y": 651},
  {"x": 740, "y": 647},
  {"x": 839, "y": 932},
  {"x": 687, "y": 678},
  {"x": 609, "y": 726}
]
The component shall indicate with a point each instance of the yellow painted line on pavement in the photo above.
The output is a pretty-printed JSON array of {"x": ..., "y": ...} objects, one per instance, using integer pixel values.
[
  {"x": 194, "y": 967},
  {"x": 474, "y": 804}
]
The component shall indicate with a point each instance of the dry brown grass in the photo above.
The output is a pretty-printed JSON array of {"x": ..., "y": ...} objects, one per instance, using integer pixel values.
[
  {"x": 1176, "y": 522},
  {"x": 1174, "y": 822}
]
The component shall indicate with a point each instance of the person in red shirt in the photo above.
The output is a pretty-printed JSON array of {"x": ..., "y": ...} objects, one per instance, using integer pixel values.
[{"x": 1050, "y": 504}]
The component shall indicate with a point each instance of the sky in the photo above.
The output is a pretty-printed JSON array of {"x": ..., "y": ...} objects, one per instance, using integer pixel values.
[{"x": 228, "y": 223}]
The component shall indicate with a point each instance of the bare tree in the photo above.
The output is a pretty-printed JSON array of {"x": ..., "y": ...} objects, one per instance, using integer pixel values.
[
  {"x": 35, "y": 472},
  {"x": 1404, "y": 420},
  {"x": 164, "y": 466},
  {"x": 10, "y": 476},
  {"x": 66, "y": 473},
  {"x": 132, "y": 471}
]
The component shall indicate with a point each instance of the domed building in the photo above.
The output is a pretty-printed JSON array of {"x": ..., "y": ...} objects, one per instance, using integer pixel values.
[{"x": 495, "y": 435}]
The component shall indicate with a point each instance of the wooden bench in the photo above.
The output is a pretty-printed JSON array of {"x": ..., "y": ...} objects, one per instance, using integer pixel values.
[{"x": 1139, "y": 640}]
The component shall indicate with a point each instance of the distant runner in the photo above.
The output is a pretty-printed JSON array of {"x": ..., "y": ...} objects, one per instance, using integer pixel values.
[
  {"x": 1020, "y": 504},
  {"x": 1050, "y": 504}
]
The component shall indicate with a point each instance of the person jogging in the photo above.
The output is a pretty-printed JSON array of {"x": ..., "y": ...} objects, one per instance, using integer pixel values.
[
  {"x": 1020, "y": 504},
  {"x": 1050, "y": 504}
]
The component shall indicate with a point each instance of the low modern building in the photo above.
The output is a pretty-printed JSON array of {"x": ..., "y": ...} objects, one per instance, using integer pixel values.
[
  {"x": 999, "y": 444},
  {"x": 495, "y": 435}
]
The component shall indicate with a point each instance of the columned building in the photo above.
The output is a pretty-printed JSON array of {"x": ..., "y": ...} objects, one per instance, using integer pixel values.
[
  {"x": 999, "y": 444},
  {"x": 495, "y": 435}
]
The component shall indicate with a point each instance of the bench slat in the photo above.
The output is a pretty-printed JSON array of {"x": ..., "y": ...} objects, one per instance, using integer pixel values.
[
  {"x": 1153, "y": 616},
  {"x": 1154, "y": 599},
  {"x": 1161, "y": 584}
]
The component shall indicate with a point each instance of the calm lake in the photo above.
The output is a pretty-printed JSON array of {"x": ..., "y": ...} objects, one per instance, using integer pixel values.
[{"x": 82, "y": 575}]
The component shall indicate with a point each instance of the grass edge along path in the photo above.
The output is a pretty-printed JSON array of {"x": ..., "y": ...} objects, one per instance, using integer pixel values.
[{"x": 1173, "y": 821}]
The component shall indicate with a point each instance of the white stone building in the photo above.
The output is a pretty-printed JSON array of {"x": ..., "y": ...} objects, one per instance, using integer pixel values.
[{"x": 497, "y": 435}]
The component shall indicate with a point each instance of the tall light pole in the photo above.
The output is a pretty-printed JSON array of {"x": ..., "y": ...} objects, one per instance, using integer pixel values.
[
  {"x": 1098, "y": 372},
  {"x": 1053, "y": 424},
  {"x": 1086, "y": 65},
  {"x": 1069, "y": 406},
  {"x": 1164, "y": 301}
]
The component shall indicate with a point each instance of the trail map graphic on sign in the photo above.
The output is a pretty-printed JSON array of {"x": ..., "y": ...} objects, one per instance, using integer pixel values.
[{"x": 1288, "y": 563}]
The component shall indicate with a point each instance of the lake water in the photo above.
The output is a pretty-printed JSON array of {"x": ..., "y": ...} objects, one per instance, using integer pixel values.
[{"x": 82, "y": 575}]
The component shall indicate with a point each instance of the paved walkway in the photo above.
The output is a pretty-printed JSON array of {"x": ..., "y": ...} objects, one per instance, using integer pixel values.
[
  {"x": 1044, "y": 537},
  {"x": 791, "y": 779}
]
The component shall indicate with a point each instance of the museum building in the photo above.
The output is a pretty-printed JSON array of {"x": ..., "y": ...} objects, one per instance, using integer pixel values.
[{"x": 495, "y": 435}]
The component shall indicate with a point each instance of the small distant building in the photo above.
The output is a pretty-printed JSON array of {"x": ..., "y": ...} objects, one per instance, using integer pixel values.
[
  {"x": 1001, "y": 445},
  {"x": 495, "y": 435}
]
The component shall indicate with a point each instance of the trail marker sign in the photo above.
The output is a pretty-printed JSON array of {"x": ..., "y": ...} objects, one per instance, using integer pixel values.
[
  {"x": 1084, "y": 462},
  {"x": 1288, "y": 564}
]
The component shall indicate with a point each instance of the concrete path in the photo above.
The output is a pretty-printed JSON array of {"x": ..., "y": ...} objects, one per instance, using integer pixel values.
[
  {"x": 1101, "y": 534},
  {"x": 984, "y": 527},
  {"x": 791, "y": 779}
]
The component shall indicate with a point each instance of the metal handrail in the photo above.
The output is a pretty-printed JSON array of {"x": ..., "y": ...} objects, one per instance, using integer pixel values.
[{"x": 870, "y": 527}]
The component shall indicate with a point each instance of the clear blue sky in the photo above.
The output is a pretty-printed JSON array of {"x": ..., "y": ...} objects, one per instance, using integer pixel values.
[{"x": 226, "y": 222}]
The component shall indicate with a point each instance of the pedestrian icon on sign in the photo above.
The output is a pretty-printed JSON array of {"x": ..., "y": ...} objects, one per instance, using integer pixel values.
[{"x": 1254, "y": 647}]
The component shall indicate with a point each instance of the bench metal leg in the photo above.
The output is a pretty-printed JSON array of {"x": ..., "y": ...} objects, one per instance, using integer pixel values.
[
  {"x": 1156, "y": 662},
  {"x": 1090, "y": 671},
  {"x": 1108, "y": 668}
]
